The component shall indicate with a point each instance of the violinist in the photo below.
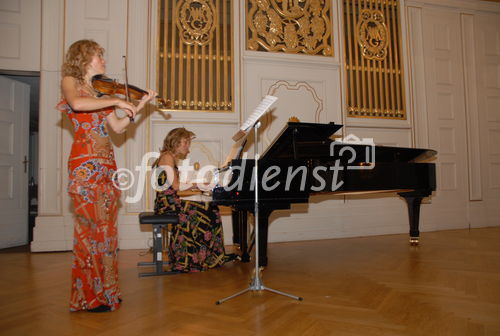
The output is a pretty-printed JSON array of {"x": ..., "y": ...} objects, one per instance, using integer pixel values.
[{"x": 91, "y": 167}]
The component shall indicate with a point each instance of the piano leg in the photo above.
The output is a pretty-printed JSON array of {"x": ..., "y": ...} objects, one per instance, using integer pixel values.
[
  {"x": 235, "y": 216},
  {"x": 245, "y": 256},
  {"x": 413, "y": 200},
  {"x": 263, "y": 235},
  {"x": 240, "y": 229}
]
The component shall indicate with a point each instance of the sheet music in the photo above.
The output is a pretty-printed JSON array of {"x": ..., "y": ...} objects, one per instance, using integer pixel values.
[
  {"x": 235, "y": 151},
  {"x": 258, "y": 112},
  {"x": 241, "y": 135}
]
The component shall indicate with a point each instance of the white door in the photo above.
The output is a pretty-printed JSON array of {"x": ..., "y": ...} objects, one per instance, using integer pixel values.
[
  {"x": 14, "y": 121},
  {"x": 444, "y": 80}
]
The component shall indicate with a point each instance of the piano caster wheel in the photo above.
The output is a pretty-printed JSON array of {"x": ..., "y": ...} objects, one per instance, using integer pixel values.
[{"x": 414, "y": 241}]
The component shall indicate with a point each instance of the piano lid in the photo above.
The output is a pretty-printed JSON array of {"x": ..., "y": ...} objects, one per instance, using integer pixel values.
[{"x": 297, "y": 132}]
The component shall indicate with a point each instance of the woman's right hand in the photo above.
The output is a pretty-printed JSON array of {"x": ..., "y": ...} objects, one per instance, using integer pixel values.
[
  {"x": 128, "y": 107},
  {"x": 205, "y": 186}
]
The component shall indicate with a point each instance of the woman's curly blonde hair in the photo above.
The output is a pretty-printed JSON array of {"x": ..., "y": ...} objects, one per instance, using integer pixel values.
[
  {"x": 172, "y": 140},
  {"x": 78, "y": 57}
]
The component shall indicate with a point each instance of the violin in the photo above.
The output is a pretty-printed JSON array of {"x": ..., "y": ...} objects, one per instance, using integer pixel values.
[{"x": 107, "y": 86}]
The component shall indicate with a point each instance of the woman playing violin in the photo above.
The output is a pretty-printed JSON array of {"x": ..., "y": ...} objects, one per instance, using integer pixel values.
[{"x": 91, "y": 167}]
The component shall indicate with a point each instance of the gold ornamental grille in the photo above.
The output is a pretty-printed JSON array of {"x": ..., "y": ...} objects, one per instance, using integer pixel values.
[
  {"x": 290, "y": 26},
  {"x": 195, "y": 54},
  {"x": 373, "y": 62}
]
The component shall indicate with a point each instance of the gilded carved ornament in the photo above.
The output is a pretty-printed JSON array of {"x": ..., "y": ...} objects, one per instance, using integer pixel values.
[
  {"x": 291, "y": 26},
  {"x": 196, "y": 21},
  {"x": 372, "y": 34}
]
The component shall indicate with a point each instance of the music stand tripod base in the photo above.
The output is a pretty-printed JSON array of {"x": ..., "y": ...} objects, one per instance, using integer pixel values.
[{"x": 257, "y": 284}]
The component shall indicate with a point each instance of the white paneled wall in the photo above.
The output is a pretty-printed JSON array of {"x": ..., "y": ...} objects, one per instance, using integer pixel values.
[
  {"x": 452, "y": 82},
  {"x": 440, "y": 69},
  {"x": 310, "y": 93},
  {"x": 446, "y": 112},
  {"x": 452, "y": 64},
  {"x": 487, "y": 57},
  {"x": 20, "y": 25},
  {"x": 104, "y": 21}
]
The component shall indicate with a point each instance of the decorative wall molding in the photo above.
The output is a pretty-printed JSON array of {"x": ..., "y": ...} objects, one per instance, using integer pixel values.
[
  {"x": 309, "y": 87},
  {"x": 296, "y": 87}
]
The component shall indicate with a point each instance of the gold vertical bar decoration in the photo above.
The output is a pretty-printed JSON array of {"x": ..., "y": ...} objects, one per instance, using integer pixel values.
[
  {"x": 211, "y": 76},
  {"x": 162, "y": 61},
  {"x": 218, "y": 31},
  {"x": 395, "y": 23},
  {"x": 194, "y": 54},
  {"x": 196, "y": 82},
  {"x": 204, "y": 80},
  {"x": 230, "y": 56},
  {"x": 376, "y": 75},
  {"x": 173, "y": 56},
  {"x": 373, "y": 80},
  {"x": 181, "y": 70},
  {"x": 386, "y": 71},
  {"x": 359, "y": 94},
  {"x": 392, "y": 71},
  {"x": 380, "y": 75},
  {"x": 188, "y": 75},
  {"x": 167, "y": 57},
  {"x": 366, "y": 70},
  {"x": 349, "y": 64},
  {"x": 225, "y": 37},
  {"x": 374, "y": 70},
  {"x": 378, "y": 72}
]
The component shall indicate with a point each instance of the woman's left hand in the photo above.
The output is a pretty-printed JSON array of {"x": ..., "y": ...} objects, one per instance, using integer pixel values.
[{"x": 146, "y": 98}]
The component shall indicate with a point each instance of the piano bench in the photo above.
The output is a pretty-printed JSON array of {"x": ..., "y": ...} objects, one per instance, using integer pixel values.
[{"x": 160, "y": 223}]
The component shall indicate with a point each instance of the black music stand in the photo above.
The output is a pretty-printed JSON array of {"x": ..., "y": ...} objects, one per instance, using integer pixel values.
[{"x": 257, "y": 284}]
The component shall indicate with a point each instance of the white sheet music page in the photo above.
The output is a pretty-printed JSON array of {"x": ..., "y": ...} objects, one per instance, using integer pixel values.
[
  {"x": 235, "y": 149},
  {"x": 258, "y": 112}
]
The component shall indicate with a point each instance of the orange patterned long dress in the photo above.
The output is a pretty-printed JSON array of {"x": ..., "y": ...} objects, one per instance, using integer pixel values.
[{"x": 91, "y": 167}]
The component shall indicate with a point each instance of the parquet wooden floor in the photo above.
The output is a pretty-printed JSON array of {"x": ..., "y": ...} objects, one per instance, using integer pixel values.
[{"x": 449, "y": 285}]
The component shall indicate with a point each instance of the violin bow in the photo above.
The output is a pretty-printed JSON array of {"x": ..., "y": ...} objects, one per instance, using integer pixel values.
[{"x": 126, "y": 84}]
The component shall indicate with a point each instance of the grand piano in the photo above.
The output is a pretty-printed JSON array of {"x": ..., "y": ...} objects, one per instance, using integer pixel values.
[{"x": 304, "y": 160}]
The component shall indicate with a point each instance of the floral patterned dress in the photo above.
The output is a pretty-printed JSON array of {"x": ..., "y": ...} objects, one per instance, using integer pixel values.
[
  {"x": 91, "y": 166},
  {"x": 197, "y": 242}
]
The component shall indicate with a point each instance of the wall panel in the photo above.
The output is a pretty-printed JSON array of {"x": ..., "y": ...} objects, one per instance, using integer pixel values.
[{"x": 20, "y": 26}]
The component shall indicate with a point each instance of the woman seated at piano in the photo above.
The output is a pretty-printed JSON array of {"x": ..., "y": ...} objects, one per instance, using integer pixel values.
[{"x": 197, "y": 242}]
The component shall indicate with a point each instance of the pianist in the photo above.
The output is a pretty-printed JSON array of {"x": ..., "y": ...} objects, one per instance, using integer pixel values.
[{"x": 197, "y": 241}]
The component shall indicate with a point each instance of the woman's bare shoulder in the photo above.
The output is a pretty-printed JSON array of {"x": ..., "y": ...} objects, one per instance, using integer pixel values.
[
  {"x": 70, "y": 84},
  {"x": 166, "y": 159},
  {"x": 69, "y": 80}
]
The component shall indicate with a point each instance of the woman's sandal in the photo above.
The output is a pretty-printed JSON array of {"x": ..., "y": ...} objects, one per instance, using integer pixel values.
[{"x": 231, "y": 257}]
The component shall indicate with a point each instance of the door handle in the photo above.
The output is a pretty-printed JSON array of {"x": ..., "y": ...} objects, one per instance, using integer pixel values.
[{"x": 25, "y": 162}]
